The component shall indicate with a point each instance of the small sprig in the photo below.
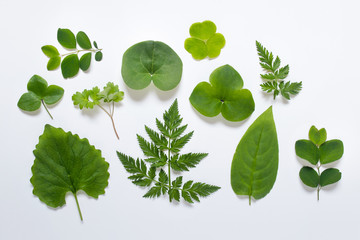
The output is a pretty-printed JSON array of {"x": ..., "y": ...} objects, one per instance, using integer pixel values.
[
  {"x": 163, "y": 153},
  {"x": 275, "y": 75},
  {"x": 70, "y": 64},
  {"x": 90, "y": 98}
]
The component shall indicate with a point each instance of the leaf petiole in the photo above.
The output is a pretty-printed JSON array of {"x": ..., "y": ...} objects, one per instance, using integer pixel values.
[
  {"x": 78, "y": 206},
  {"x": 43, "y": 103},
  {"x": 112, "y": 119},
  {"x": 80, "y": 50}
]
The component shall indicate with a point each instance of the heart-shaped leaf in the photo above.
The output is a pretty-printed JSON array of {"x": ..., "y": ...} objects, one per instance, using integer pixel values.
[
  {"x": 66, "y": 38},
  {"x": 83, "y": 40},
  {"x": 70, "y": 66},
  {"x": 317, "y": 136},
  {"x": 203, "y": 30},
  {"x": 53, "y": 94},
  {"x": 307, "y": 150},
  {"x": 223, "y": 94},
  {"x": 151, "y": 61},
  {"x": 85, "y": 61},
  {"x": 29, "y": 102},
  {"x": 331, "y": 151},
  {"x": 329, "y": 176},
  {"x": 309, "y": 177},
  {"x": 255, "y": 163},
  {"x": 65, "y": 163}
]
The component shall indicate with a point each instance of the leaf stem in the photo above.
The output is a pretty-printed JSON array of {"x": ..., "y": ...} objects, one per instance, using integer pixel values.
[
  {"x": 169, "y": 167},
  {"x": 80, "y": 50},
  {"x": 78, "y": 206},
  {"x": 112, "y": 120},
  {"x": 43, "y": 103},
  {"x": 318, "y": 188}
]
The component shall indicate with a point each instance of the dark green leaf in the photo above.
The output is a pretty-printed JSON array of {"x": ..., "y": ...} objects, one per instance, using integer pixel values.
[
  {"x": 53, "y": 94},
  {"x": 163, "y": 178},
  {"x": 162, "y": 128},
  {"x": 329, "y": 176},
  {"x": 53, "y": 63},
  {"x": 307, "y": 150},
  {"x": 318, "y": 137},
  {"x": 153, "y": 192},
  {"x": 70, "y": 66},
  {"x": 83, "y": 40},
  {"x": 309, "y": 177},
  {"x": 174, "y": 194},
  {"x": 98, "y": 56},
  {"x": 331, "y": 151},
  {"x": 95, "y": 44},
  {"x": 283, "y": 72},
  {"x": 66, "y": 38},
  {"x": 179, "y": 143},
  {"x": 50, "y": 51},
  {"x": 158, "y": 140},
  {"x": 85, "y": 61}
]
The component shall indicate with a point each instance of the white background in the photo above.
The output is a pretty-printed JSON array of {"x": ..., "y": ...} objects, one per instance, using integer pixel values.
[{"x": 318, "y": 39}]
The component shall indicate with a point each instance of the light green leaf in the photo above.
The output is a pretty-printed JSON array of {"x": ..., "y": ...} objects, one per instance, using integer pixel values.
[
  {"x": 196, "y": 47},
  {"x": 65, "y": 163},
  {"x": 98, "y": 56},
  {"x": 29, "y": 102},
  {"x": 83, "y": 40},
  {"x": 317, "y": 136},
  {"x": 85, "y": 61},
  {"x": 203, "y": 30},
  {"x": 331, "y": 151},
  {"x": 82, "y": 99},
  {"x": 50, "y": 51},
  {"x": 111, "y": 93},
  {"x": 66, "y": 38},
  {"x": 307, "y": 150},
  {"x": 53, "y": 63},
  {"x": 70, "y": 66},
  {"x": 309, "y": 177},
  {"x": 255, "y": 162},
  {"x": 329, "y": 176},
  {"x": 215, "y": 44},
  {"x": 224, "y": 94},
  {"x": 151, "y": 61}
]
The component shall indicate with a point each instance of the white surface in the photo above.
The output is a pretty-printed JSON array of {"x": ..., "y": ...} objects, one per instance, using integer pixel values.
[{"x": 319, "y": 39}]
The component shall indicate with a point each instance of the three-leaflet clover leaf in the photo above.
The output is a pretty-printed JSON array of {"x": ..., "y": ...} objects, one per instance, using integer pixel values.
[
  {"x": 151, "y": 61},
  {"x": 317, "y": 151},
  {"x": 163, "y": 156},
  {"x": 275, "y": 75},
  {"x": 39, "y": 93},
  {"x": 223, "y": 94},
  {"x": 70, "y": 62},
  {"x": 255, "y": 162},
  {"x": 204, "y": 41},
  {"x": 93, "y": 97},
  {"x": 65, "y": 163}
]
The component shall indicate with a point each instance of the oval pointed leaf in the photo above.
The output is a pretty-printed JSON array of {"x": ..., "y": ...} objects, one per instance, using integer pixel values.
[
  {"x": 255, "y": 163},
  {"x": 29, "y": 102},
  {"x": 65, "y": 163},
  {"x": 151, "y": 61},
  {"x": 50, "y": 51},
  {"x": 330, "y": 176},
  {"x": 53, "y": 63},
  {"x": 53, "y": 94},
  {"x": 98, "y": 56},
  {"x": 95, "y": 44},
  {"x": 85, "y": 61},
  {"x": 307, "y": 150},
  {"x": 317, "y": 136},
  {"x": 37, "y": 85},
  {"x": 66, "y": 38},
  {"x": 70, "y": 66},
  {"x": 331, "y": 151},
  {"x": 309, "y": 177},
  {"x": 83, "y": 40}
]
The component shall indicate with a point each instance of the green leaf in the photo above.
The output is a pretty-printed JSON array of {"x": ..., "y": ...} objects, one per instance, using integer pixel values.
[
  {"x": 177, "y": 144},
  {"x": 204, "y": 41},
  {"x": 82, "y": 99},
  {"x": 307, "y": 150},
  {"x": 83, "y": 40},
  {"x": 98, "y": 56},
  {"x": 309, "y": 177},
  {"x": 329, "y": 176},
  {"x": 172, "y": 117},
  {"x": 65, "y": 163},
  {"x": 70, "y": 66},
  {"x": 331, "y": 151},
  {"x": 37, "y": 85},
  {"x": 283, "y": 72},
  {"x": 290, "y": 88},
  {"x": 186, "y": 161},
  {"x": 50, "y": 51},
  {"x": 158, "y": 140},
  {"x": 151, "y": 61},
  {"x": 53, "y": 94},
  {"x": 111, "y": 93},
  {"x": 29, "y": 102},
  {"x": 255, "y": 163},
  {"x": 318, "y": 137},
  {"x": 85, "y": 61},
  {"x": 66, "y": 38},
  {"x": 95, "y": 44},
  {"x": 53, "y": 63},
  {"x": 266, "y": 57},
  {"x": 153, "y": 192},
  {"x": 223, "y": 94}
]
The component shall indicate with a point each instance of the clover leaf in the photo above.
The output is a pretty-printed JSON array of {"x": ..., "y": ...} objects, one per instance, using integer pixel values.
[
  {"x": 39, "y": 93},
  {"x": 65, "y": 163},
  {"x": 223, "y": 94},
  {"x": 151, "y": 61},
  {"x": 204, "y": 41}
]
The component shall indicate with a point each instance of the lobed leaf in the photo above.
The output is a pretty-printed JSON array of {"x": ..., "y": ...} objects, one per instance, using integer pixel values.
[{"x": 179, "y": 143}]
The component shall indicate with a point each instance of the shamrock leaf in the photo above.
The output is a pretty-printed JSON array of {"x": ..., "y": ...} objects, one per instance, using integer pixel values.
[
  {"x": 39, "y": 93},
  {"x": 204, "y": 41},
  {"x": 65, "y": 163},
  {"x": 223, "y": 94},
  {"x": 151, "y": 61}
]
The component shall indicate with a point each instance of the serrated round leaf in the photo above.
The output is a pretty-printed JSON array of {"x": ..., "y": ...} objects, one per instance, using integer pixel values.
[
  {"x": 255, "y": 162},
  {"x": 151, "y": 61},
  {"x": 307, "y": 150},
  {"x": 83, "y": 40},
  {"x": 202, "y": 30},
  {"x": 85, "y": 61},
  {"x": 66, "y": 38},
  {"x": 215, "y": 44},
  {"x": 317, "y": 136},
  {"x": 331, "y": 151},
  {"x": 309, "y": 177},
  {"x": 50, "y": 51},
  {"x": 37, "y": 85},
  {"x": 53, "y": 94},
  {"x": 98, "y": 56},
  {"x": 70, "y": 66},
  {"x": 65, "y": 163},
  {"x": 53, "y": 63},
  {"x": 197, "y": 48},
  {"x": 329, "y": 176},
  {"x": 29, "y": 102}
]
